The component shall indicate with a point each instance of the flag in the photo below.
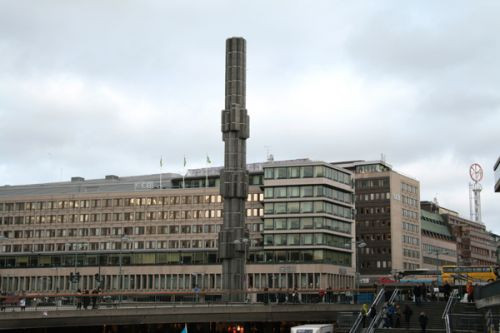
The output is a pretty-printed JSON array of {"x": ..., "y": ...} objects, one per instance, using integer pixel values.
[
  {"x": 184, "y": 161},
  {"x": 161, "y": 161},
  {"x": 185, "y": 329},
  {"x": 208, "y": 160}
]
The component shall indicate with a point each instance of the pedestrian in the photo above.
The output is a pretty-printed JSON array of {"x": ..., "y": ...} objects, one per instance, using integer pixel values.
[
  {"x": 79, "y": 299},
  {"x": 446, "y": 290},
  {"x": 423, "y": 292},
  {"x": 373, "y": 312},
  {"x": 329, "y": 294},
  {"x": 385, "y": 317},
  {"x": 423, "y": 319},
  {"x": 416, "y": 294},
  {"x": 86, "y": 299},
  {"x": 22, "y": 303},
  {"x": 321, "y": 295},
  {"x": 470, "y": 292},
  {"x": 407, "y": 312},
  {"x": 390, "y": 313},
  {"x": 94, "y": 299},
  {"x": 364, "y": 313},
  {"x": 397, "y": 316}
]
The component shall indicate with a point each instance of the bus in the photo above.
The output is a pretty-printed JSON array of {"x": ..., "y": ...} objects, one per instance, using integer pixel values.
[
  {"x": 464, "y": 274},
  {"x": 419, "y": 276}
]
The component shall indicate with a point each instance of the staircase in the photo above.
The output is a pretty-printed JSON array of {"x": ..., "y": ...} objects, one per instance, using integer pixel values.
[{"x": 433, "y": 310}]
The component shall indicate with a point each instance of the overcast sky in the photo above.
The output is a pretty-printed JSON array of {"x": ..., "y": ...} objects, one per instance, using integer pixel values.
[{"x": 90, "y": 88}]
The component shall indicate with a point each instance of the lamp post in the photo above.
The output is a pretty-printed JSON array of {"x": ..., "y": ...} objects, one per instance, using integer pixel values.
[{"x": 359, "y": 245}]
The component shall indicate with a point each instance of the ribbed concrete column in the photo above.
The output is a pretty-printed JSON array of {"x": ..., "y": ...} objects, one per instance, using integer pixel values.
[{"x": 234, "y": 176}]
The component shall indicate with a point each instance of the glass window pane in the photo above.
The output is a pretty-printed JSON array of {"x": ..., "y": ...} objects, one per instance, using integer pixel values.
[{"x": 307, "y": 172}]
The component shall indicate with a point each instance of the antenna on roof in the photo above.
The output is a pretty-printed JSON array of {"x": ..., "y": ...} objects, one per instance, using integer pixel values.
[
  {"x": 269, "y": 156},
  {"x": 382, "y": 157}
]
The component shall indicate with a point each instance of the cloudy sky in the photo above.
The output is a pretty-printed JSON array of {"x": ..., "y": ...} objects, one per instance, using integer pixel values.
[{"x": 90, "y": 88}]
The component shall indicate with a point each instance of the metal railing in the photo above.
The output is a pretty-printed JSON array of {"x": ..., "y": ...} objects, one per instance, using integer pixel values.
[
  {"x": 376, "y": 321},
  {"x": 446, "y": 313},
  {"x": 359, "y": 320}
]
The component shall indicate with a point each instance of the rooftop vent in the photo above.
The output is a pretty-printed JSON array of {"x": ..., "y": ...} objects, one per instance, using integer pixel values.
[
  {"x": 77, "y": 179},
  {"x": 111, "y": 177}
]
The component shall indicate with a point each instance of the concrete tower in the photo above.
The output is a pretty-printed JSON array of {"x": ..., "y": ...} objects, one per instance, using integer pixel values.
[{"x": 233, "y": 238}]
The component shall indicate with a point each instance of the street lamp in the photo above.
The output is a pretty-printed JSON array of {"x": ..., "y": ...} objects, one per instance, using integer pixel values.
[{"x": 359, "y": 245}]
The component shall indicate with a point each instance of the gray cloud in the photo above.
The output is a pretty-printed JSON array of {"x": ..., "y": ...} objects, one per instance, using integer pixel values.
[{"x": 92, "y": 88}]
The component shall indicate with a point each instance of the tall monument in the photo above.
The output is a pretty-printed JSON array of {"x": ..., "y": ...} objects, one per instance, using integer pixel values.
[{"x": 233, "y": 238}]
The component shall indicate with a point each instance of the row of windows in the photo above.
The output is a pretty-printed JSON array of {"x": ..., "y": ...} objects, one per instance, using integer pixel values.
[
  {"x": 307, "y": 223},
  {"x": 410, "y": 214},
  {"x": 119, "y": 202},
  {"x": 411, "y": 240},
  {"x": 410, "y": 201},
  {"x": 411, "y": 253},
  {"x": 375, "y": 237},
  {"x": 373, "y": 210},
  {"x": 307, "y": 207},
  {"x": 373, "y": 196},
  {"x": 173, "y": 258},
  {"x": 436, "y": 262},
  {"x": 309, "y": 171},
  {"x": 128, "y": 216},
  {"x": 374, "y": 250},
  {"x": 110, "y": 246},
  {"x": 371, "y": 168},
  {"x": 307, "y": 191},
  {"x": 70, "y": 260},
  {"x": 113, "y": 282},
  {"x": 115, "y": 231},
  {"x": 372, "y": 183},
  {"x": 116, "y": 202},
  {"x": 297, "y": 256},
  {"x": 375, "y": 223},
  {"x": 410, "y": 266},
  {"x": 409, "y": 188},
  {"x": 437, "y": 250},
  {"x": 307, "y": 239},
  {"x": 410, "y": 227},
  {"x": 376, "y": 264}
]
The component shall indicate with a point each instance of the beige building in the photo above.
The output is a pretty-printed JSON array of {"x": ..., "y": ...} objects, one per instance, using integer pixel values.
[
  {"x": 127, "y": 233},
  {"x": 387, "y": 219}
]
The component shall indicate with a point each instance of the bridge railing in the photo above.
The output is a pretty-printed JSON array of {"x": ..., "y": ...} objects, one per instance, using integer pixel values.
[{"x": 36, "y": 301}]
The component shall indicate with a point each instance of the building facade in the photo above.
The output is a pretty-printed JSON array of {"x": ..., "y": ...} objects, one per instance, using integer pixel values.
[
  {"x": 439, "y": 246},
  {"x": 387, "y": 218},
  {"x": 127, "y": 233},
  {"x": 475, "y": 245}
]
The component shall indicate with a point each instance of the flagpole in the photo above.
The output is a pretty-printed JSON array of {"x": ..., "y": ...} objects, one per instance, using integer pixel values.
[
  {"x": 161, "y": 169},
  {"x": 184, "y": 174}
]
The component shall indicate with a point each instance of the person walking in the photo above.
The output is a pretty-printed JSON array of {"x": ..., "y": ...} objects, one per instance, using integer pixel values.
[
  {"x": 423, "y": 292},
  {"x": 446, "y": 290},
  {"x": 423, "y": 320},
  {"x": 364, "y": 313},
  {"x": 470, "y": 292},
  {"x": 86, "y": 299},
  {"x": 407, "y": 312},
  {"x": 397, "y": 317},
  {"x": 390, "y": 313},
  {"x": 78, "y": 299},
  {"x": 416, "y": 294},
  {"x": 22, "y": 303}
]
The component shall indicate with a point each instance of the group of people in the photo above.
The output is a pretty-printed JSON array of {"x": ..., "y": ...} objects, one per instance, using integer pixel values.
[
  {"x": 84, "y": 299},
  {"x": 392, "y": 316}
]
